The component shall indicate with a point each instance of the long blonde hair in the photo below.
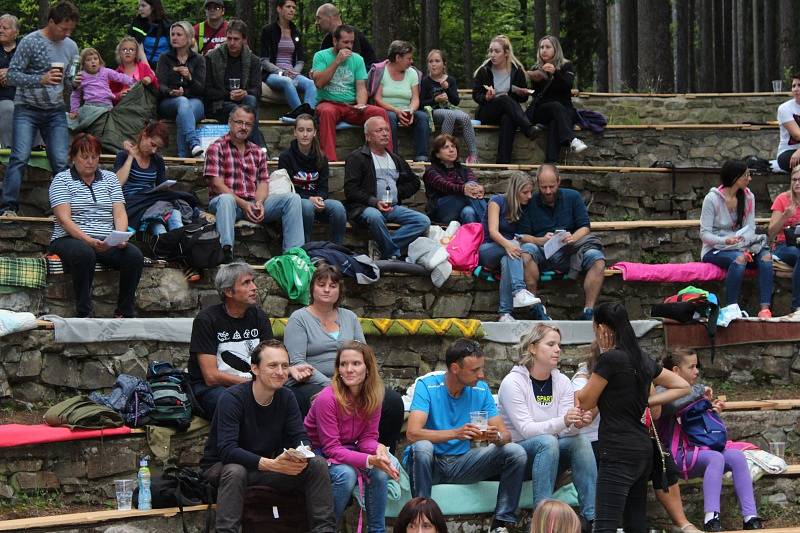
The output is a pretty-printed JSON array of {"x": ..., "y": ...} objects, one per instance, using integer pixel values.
[
  {"x": 554, "y": 516},
  {"x": 371, "y": 395},
  {"x": 515, "y": 184},
  {"x": 794, "y": 196},
  {"x": 533, "y": 337},
  {"x": 558, "y": 52},
  {"x": 505, "y": 43}
]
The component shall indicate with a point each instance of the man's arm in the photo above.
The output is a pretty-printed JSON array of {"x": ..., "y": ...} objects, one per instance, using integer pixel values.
[
  {"x": 218, "y": 184},
  {"x": 212, "y": 377},
  {"x": 361, "y": 92},
  {"x": 323, "y": 77},
  {"x": 416, "y": 430},
  {"x": 354, "y": 181},
  {"x": 18, "y": 76},
  {"x": 228, "y": 416}
]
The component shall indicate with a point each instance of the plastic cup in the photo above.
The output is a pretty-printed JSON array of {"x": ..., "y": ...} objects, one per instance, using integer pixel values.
[
  {"x": 480, "y": 419},
  {"x": 777, "y": 86},
  {"x": 235, "y": 83},
  {"x": 124, "y": 492},
  {"x": 778, "y": 448}
]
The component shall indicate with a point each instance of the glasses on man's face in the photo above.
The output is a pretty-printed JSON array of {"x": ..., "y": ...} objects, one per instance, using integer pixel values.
[{"x": 242, "y": 123}]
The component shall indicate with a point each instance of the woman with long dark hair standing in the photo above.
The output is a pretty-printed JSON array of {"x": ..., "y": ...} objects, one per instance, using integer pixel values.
[{"x": 620, "y": 387}]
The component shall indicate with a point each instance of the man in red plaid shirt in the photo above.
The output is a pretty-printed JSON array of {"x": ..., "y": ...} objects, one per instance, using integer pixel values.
[{"x": 238, "y": 185}]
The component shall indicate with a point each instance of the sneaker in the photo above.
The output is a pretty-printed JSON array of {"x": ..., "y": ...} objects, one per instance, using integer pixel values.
[
  {"x": 498, "y": 526},
  {"x": 505, "y": 317},
  {"x": 577, "y": 145},
  {"x": 765, "y": 313},
  {"x": 525, "y": 298},
  {"x": 197, "y": 150},
  {"x": 588, "y": 314},
  {"x": 9, "y": 214},
  {"x": 538, "y": 312},
  {"x": 753, "y": 523},
  {"x": 227, "y": 255},
  {"x": 472, "y": 159},
  {"x": 534, "y": 130},
  {"x": 713, "y": 525}
]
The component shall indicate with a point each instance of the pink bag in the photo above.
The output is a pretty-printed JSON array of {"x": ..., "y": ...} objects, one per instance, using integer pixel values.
[{"x": 463, "y": 248}]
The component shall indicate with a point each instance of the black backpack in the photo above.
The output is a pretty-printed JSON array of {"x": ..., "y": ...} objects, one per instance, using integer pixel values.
[
  {"x": 180, "y": 487},
  {"x": 195, "y": 244},
  {"x": 171, "y": 394}
]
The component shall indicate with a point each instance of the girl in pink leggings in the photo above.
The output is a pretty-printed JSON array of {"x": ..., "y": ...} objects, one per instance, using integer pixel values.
[{"x": 710, "y": 464}]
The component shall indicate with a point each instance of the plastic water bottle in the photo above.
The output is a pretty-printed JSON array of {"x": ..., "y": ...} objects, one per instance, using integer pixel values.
[
  {"x": 144, "y": 485},
  {"x": 74, "y": 67},
  {"x": 387, "y": 196}
]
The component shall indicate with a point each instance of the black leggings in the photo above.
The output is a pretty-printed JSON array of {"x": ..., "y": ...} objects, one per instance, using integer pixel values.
[
  {"x": 560, "y": 121},
  {"x": 622, "y": 492},
  {"x": 392, "y": 411},
  {"x": 784, "y": 159},
  {"x": 505, "y": 112}
]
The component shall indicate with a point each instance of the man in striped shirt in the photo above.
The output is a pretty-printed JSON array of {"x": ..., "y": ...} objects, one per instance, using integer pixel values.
[
  {"x": 38, "y": 71},
  {"x": 238, "y": 185}
]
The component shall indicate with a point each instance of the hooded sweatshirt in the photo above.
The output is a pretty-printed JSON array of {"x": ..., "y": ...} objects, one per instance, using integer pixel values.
[
  {"x": 717, "y": 223},
  {"x": 523, "y": 416},
  {"x": 309, "y": 178}
]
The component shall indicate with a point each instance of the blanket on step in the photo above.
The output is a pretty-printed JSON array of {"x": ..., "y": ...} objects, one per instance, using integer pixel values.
[
  {"x": 390, "y": 327},
  {"x": 670, "y": 272},
  {"x": 25, "y": 434}
]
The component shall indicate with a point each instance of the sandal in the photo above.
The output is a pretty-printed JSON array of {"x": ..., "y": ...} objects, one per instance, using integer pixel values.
[{"x": 191, "y": 275}]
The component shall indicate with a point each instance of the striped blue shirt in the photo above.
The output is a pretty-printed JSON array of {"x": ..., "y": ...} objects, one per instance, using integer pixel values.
[
  {"x": 141, "y": 179},
  {"x": 90, "y": 205}
]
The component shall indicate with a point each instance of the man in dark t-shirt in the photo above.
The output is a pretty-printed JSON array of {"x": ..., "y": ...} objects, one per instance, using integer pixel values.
[
  {"x": 255, "y": 423},
  {"x": 224, "y": 335}
]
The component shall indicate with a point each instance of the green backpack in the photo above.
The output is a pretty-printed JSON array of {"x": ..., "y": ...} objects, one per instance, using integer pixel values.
[
  {"x": 79, "y": 412},
  {"x": 171, "y": 394}
]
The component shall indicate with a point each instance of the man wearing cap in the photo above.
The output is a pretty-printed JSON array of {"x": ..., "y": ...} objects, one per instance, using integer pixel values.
[{"x": 212, "y": 31}]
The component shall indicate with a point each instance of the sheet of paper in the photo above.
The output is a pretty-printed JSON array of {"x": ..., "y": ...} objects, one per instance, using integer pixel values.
[
  {"x": 553, "y": 245},
  {"x": 115, "y": 238},
  {"x": 166, "y": 184}
]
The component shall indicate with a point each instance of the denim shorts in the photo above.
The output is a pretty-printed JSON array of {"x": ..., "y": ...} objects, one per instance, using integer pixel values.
[{"x": 560, "y": 260}]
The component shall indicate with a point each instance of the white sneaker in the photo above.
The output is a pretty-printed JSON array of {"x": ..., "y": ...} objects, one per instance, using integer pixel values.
[
  {"x": 506, "y": 318},
  {"x": 577, "y": 145},
  {"x": 525, "y": 298},
  {"x": 197, "y": 150}
]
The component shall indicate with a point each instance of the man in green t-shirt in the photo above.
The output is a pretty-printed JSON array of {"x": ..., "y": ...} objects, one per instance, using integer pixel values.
[{"x": 341, "y": 80}]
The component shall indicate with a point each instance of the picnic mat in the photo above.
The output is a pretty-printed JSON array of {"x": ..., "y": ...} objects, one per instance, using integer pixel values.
[
  {"x": 694, "y": 335},
  {"x": 25, "y": 434},
  {"x": 28, "y": 272},
  {"x": 36, "y": 160},
  {"x": 390, "y": 327}
]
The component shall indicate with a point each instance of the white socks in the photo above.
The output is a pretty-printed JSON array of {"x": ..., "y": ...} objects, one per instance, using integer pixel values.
[{"x": 711, "y": 516}]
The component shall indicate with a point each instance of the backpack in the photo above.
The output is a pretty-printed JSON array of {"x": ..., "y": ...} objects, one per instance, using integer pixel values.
[
  {"x": 180, "y": 487},
  {"x": 268, "y": 509},
  {"x": 131, "y": 397},
  {"x": 173, "y": 405},
  {"x": 463, "y": 247},
  {"x": 688, "y": 303},
  {"x": 195, "y": 244},
  {"x": 698, "y": 427},
  {"x": 79, "y": 412},
  {"x": 280, "y": 182}
]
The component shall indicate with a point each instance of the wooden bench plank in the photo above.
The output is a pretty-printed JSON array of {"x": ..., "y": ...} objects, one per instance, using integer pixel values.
[{"x": 92, "y": 517}]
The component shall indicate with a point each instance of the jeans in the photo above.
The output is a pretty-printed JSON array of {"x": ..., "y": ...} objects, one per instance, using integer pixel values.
[
  {"x": 208, "y": 397},
  {"x": 173, "y": 222},
  {"x": 478, "y": 464},
  {"x": 224, "y": 113},
  {"x": 560, "y": 260},
  {"x": 512, "y": 272},
  {"x": 560, "y": 121},
  {"x": 726, "y": 259},
  {"x": 412, "y": 225},
  {"x": 505, "y": 112},
  {"x": 289, "y": 86},
  {"x": 621, "y": 499},
  {"x": 79, "y": 260},
  {"x": 286, "y": 207},
  {"x": 334, "y": 214},
  {"x": 186, "y": 112},
  {"x": 784, "y": 160},
  {"x": 549, "y": 455},
  {"x": 422, "y": 133},
  {"x": 712, "y": 465},
  {"x": 233, "y": 479},
  {"x": 52, "y": 124},
  {"x": 459, "y": 207},
  {"x": 330, "y": 113},
  {"x": 790, "y": 256},
  {"x": 344, "y": 478}
]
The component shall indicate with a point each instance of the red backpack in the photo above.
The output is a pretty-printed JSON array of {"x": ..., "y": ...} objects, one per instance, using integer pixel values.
[{"x": 463, "y": 248}]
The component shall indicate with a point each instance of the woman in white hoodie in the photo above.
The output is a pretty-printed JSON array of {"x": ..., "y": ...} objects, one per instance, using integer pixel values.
[
  {"x": 728, "y": 232},
  {"x": 537, "y": 404}
]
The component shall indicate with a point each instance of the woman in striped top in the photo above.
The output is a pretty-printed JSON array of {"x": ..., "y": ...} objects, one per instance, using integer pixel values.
[{"x": 88, "y": 205}]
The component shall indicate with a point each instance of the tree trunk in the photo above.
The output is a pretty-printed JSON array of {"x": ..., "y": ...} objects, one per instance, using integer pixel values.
[
  {"x": 750, "y": 27},
  {"x": 272, "y": 12},
  {"x": 736, "y": 44},
  {"x": 555, "y": 17},
  {"x": 601, "y": 45},
  {"x": 386, "y": 18},
  {"x": 725, "y": 73},
  {"x": 431, "y": 24},
  {"x": 523, "y": 16},
  {"x": 539, "y": 21},
  {"x": 691, "y": 53},
  {"x": 44, "y": 10},
  {"x": 467, "y": 15},
  {"x": 787, "y": 53},
  {"x": 705, "y": 60},
  {"x": 423, "y": 27},
  {"x": 768, "y": 46},
  {"x": 655, "y": 49},
  {"x": 682, "y": 49},
  {"x": 246, "y": 12},
  {"x": 628, "y": 45}
]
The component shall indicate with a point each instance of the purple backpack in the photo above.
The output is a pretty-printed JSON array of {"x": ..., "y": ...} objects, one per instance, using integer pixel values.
[
  {"x": 698, "y": 427},
  {"x": 593, "y": 121}
]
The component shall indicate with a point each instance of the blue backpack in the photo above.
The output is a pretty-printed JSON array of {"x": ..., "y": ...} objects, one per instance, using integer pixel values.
[{"x": 698, "y": 427}]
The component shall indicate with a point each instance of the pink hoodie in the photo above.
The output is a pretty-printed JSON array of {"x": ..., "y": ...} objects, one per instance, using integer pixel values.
[{"x": 344, "y": 438}]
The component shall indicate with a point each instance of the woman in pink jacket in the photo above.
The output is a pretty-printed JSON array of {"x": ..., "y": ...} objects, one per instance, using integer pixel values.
[
  {"x": 537, "y": 404},
  {"x": 343, "y": 426}
]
